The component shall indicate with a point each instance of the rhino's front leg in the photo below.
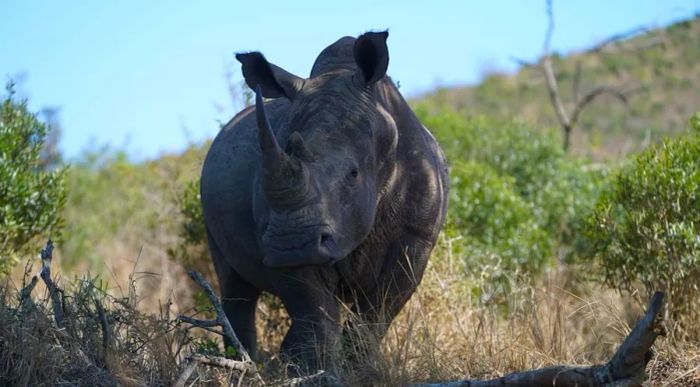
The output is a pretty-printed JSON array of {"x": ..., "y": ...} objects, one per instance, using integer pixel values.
[
  {"x": 405, "y": 263},
  {"x": 312, "y": 342}
]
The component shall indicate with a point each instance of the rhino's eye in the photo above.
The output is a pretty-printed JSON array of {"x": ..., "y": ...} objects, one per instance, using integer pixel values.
[{"x": 351, "y": 177}]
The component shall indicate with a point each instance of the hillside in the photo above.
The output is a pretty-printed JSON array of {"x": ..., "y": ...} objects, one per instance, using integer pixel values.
[{"x": 657, "y": 71}]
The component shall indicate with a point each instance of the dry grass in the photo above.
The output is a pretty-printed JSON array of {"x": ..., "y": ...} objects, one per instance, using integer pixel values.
[
  {"x": 442, "y": 336},
  {"x": 444, "y": 333},
  {"x": 106, "y": 340}
]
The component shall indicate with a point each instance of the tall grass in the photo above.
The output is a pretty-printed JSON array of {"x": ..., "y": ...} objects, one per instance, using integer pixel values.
[{"x": 443, "y": 333}]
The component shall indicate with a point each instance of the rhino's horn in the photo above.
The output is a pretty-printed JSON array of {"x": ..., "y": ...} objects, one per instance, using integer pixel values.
[
  {"x": 285, "y": 180},
  {"x": 268, "y": 142}
]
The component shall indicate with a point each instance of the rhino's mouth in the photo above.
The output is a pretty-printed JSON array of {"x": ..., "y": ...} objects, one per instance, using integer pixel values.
[{"x": 312, "y": 246}]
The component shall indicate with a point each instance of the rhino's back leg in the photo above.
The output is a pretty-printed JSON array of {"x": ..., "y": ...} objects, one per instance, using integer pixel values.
[
  {"x": 405, "y": 262},
  {"x": 238, "y": 298}
]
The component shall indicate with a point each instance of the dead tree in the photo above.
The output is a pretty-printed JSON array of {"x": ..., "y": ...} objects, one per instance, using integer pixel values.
[{"x": 567, "y": 120}]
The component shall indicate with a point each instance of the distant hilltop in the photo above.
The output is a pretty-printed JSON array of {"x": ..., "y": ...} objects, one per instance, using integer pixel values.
[{"x": 657, "y": 70}]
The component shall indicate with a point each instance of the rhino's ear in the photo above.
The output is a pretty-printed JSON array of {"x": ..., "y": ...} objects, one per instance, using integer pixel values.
[
  {"x": 274, "y": 81},
  {"x": 372, "y": 55}
]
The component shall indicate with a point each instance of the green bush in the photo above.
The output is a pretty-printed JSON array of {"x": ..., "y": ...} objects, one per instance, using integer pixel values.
[
  {"x": 557, "y": 190},
  {"x": 193, "y": 230},
  {"x": 31, "y": 198},
  {"x": 646, "y": 228},
  {"x": 192, "y": 249},
  {"x": 485, "y": 209}
]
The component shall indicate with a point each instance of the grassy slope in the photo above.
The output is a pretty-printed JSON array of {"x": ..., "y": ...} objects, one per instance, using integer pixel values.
[{"x": 658, "y": 69}]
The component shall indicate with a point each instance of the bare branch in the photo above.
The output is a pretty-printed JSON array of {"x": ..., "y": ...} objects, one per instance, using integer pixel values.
[
  {"x": 222, "y": 321},
  {"x": 576, "y": 84},
  {"x": 207, "y": 325},
  {"x": 190, "y": 366},
  {"x": 616, "y": 38},
  {"x": 220, "y": 315},
  {"x": 320, "y": 378},
  {"x": 196, "y": 359},
  {"x": 25, "y": 295},
  {"x": 553, "y": 90},
  {"x": 522, "y": 62},
  {"x": 55, "y": 292},
  {"x": 591, "y": 96},
  {"x": 550, "y": 29},
  {"x": 212, "y": 330},
  {"x": 626, "y": 368},
  {"x": 104, "y": 325},
  {"x": 550, "y": 78},
  {"x": 197, "y": 322}
]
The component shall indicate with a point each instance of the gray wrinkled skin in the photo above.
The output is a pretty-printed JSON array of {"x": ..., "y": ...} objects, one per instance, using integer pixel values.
[{"x": 343, "y": 203}]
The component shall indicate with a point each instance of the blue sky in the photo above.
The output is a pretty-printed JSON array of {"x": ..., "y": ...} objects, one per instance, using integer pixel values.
[{"x": 149, "y": 75}]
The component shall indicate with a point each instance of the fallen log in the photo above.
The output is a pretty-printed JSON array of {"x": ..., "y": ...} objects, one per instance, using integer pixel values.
[{"x": 626, "y": 368}]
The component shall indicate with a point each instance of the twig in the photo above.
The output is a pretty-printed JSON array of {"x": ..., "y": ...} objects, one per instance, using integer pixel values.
[
  {"x": 320, "y": 378},
  {"x": 198, "y": 323},
  {"x": 220, "y": 320},
  {"x": 55, "y": 292},
  {"x": 616, "y": 38},
  {"x": 189, "y": 368},
  {"x": 104, "y": 324},
  {"x": 626, "y": 368},
  {"x": 522, "y": 62},
  {"x": 593, "y": 94},
  {"x": 25, "y": 295},
  {"x": 207, "y": 325},
  {"x": 576, "y": 84},
  {"x": 212, "y": 330},
  {"x": 197, "y": 358}
]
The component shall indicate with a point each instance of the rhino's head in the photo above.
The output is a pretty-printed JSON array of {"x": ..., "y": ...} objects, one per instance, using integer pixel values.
[{"x": 323, "y": 187}]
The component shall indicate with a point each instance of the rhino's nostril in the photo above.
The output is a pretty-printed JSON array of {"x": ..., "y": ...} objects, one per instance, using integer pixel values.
[{"x": 326, "y": 237}]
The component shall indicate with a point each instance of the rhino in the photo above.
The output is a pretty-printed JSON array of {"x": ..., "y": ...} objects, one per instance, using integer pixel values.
[{"x": 328, "y": 193}]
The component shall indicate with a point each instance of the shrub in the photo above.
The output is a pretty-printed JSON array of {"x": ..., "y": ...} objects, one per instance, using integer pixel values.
[
  {"x": 104, "y": 340},
  {"x": 31, "y": 199},
  {"x": 192, "y": 249},
  {"x": 646, "y": 228},
  {"x": 559, "y": 190},
  {"x": 486, "y": 210}
]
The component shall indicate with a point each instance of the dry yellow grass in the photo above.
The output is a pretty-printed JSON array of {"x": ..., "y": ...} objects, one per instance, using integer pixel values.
[{"x": 443, "y": 333}]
